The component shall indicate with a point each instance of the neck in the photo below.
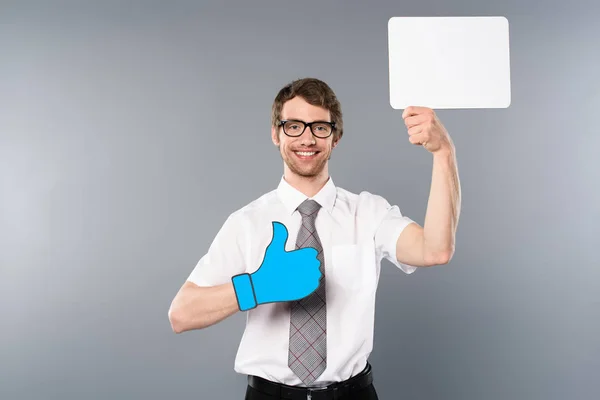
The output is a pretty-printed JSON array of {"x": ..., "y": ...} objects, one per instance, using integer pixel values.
[{"x": 308, "y": 186}]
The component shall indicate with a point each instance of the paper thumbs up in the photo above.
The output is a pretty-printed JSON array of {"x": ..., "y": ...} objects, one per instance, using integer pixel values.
[{"x": 282, "y": 276}]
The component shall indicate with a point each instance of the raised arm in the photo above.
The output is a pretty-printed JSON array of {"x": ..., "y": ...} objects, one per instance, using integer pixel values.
[{"x": 434, "y": 243}]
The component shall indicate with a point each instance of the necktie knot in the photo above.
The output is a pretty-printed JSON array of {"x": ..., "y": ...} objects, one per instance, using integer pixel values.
[{"x": 309, "y": 208}]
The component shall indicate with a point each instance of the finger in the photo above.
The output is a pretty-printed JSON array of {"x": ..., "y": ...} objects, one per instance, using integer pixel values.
[
  {"x": 279, "y": 239},
  {"x": 415, "y": 130},
  {"x": 415, "y": 110},
  {"x": 306, "y": 250},
  {"x": 408, "y": 111},
  {"x": 417, "y": 139},
  {"x": 415, "y": 120}
]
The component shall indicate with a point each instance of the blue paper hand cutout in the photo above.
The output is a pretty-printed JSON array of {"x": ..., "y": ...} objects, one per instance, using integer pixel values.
[{"x": 282, "y": 276}]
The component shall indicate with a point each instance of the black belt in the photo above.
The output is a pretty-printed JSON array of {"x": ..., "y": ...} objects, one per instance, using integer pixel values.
[{"x": 330, "y": 392}]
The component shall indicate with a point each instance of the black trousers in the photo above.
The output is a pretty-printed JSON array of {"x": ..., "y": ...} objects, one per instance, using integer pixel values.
[
  {"x": 367, "y": 393},
  {"x": 359, "y": 387}
]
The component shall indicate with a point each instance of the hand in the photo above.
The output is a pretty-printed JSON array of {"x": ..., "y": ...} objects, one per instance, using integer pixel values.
[
  {"x": 424, "y": 128},
  {"x": 282, "y": 276}
]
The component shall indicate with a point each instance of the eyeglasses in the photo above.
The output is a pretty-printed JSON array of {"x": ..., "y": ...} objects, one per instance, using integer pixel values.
[{"x": 295, "y": 128}]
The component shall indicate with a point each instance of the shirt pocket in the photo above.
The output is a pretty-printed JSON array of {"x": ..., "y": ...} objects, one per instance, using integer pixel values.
[{"x": 354, "y": 267}]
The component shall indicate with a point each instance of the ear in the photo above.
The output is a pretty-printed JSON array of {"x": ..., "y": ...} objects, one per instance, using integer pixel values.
[
  {"x": 274, "y": 136},
  {"x": 335, "y": 143}
]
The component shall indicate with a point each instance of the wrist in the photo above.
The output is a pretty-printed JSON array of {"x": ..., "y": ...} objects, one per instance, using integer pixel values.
[
  {"x": 244, "y": 291},
  {"x": 444, "y": 154}
]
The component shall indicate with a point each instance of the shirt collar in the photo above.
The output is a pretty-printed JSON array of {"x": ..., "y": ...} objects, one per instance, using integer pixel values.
[{"x": 292, "y": 197}]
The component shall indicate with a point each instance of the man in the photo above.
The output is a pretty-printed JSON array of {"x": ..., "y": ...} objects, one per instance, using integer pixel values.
[{"x": 310, "y": 307}]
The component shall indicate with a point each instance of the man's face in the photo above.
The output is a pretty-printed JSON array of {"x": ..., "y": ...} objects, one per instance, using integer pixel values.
[{"x": 305, "y": 155}]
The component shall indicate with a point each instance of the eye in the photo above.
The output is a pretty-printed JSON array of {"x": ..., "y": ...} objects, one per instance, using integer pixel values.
[{"x": 293, "y": 126}]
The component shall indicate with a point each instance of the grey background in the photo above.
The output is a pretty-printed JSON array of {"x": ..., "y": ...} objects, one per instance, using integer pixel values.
[{"x": 130, "y": 130}]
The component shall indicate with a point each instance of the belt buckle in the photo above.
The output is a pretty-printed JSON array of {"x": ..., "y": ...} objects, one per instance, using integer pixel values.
[
  {"x": 309, "y": 394},
  {"x": 310, "y": 390}
]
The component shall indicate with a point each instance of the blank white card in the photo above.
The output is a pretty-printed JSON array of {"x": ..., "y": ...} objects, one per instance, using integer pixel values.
[{"x": 449, "y": 62}]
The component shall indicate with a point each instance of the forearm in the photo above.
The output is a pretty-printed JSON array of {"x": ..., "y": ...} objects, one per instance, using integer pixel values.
[
  {"x": 200, "y": 307},
  {"x": 443, "y": 208}
]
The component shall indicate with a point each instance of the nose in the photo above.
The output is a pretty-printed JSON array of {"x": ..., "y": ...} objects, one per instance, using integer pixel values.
[{"x": 307, "y": 137}]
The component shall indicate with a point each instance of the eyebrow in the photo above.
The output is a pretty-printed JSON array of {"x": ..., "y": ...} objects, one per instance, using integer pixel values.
[{"x": 301, "y": 120}]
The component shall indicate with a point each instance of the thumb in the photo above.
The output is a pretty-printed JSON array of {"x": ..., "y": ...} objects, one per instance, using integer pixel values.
[{"x": 280, "y": 236}]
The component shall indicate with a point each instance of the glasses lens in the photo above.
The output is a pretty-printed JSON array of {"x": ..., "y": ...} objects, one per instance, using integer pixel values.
[
  {"x": 293, "y": 128},
  {"x": 321, "y": 129}
]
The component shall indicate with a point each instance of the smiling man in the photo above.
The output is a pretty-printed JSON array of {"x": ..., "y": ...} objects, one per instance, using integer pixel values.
[{"x": 316, "y": 345}]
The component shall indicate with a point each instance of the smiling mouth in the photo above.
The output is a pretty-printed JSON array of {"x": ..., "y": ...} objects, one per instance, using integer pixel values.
[{"x": 305, "y": 153}]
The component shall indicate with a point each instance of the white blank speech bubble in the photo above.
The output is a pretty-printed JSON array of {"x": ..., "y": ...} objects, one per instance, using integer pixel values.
[{"x": 449, "y": 62}]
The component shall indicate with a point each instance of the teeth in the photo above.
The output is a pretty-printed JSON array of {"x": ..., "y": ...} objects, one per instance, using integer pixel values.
[{"x": 305, "y": 153}]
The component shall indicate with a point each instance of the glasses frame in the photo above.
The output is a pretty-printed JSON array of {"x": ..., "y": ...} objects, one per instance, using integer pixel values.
[{"x": 307, "y": 124}]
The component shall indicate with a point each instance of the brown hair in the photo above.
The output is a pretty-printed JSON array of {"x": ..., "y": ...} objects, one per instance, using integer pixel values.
[{"x": 314, "y": 92}]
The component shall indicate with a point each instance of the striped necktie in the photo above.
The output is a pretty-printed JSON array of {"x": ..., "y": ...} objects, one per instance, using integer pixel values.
[{"x": 307, "y": 355}]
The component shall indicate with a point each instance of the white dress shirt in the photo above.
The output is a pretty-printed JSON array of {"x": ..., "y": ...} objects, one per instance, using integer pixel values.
[{"x": 356, "y": 230}]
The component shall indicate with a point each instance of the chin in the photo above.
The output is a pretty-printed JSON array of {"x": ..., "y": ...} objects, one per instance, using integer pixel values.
[
  {"x": 307, "y": 170},
  {"x": 306, "y": 173}
]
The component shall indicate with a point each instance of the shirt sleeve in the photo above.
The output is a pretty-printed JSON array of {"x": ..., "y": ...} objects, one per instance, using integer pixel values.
[
  {"x": 391, "y": 225},
  {"x": 225, "y": 256}
]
